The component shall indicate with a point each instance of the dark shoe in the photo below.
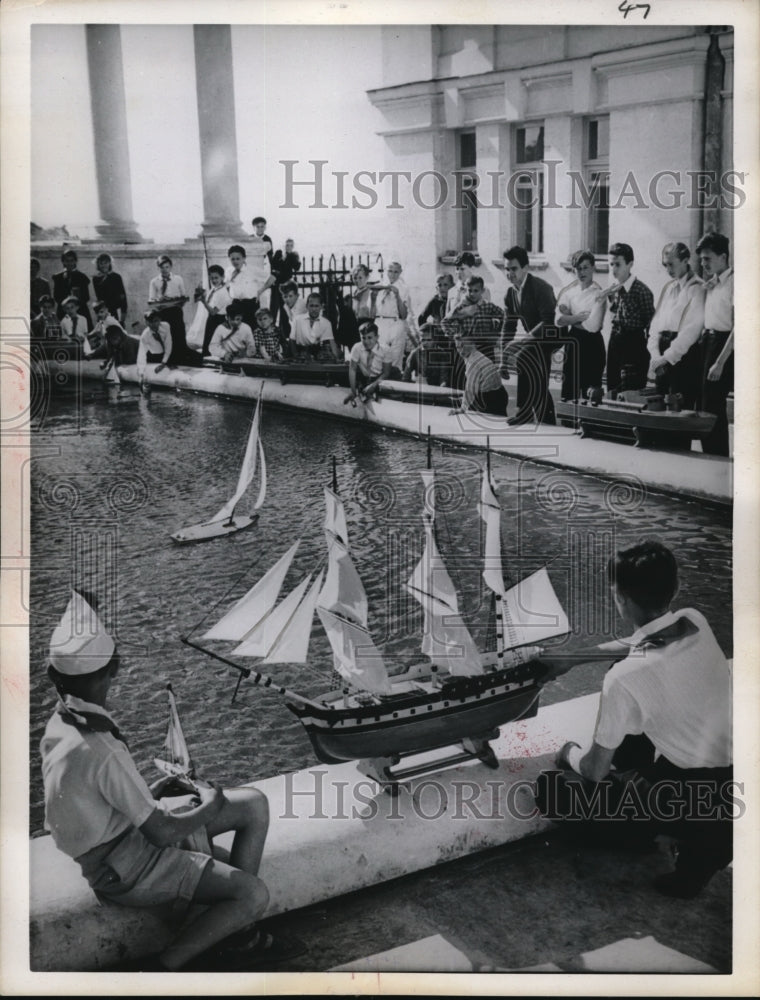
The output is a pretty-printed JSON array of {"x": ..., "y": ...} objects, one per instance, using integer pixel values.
[
  {"x": 260, "y": 949},
  {"x": 681, "y": 884}
]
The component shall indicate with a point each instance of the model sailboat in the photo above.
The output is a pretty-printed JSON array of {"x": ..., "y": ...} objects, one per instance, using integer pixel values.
[
  {"x": 456, "y": 693},
  {"x": 177, "y": 763},
  {"x": 227, "y": 520}
]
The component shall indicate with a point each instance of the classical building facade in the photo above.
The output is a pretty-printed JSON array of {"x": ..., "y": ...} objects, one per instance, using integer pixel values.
[{"x": 557, "y": 138}]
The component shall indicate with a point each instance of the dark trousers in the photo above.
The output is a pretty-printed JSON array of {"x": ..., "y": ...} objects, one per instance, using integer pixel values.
[
  {"x": 643, "y": 797},
  {"x": 627, "y": 349},
  {"x": 714, "y": 394},
  {"x": 684, "y": 378},
  {"x": 212, "y": 324},
  {"x": 584, "y": 362},
  {"x": 494, "y": 401},
  {"x": 181, "y": 353},
  {"x": 533, "y": 360},
  {"x": 248, "y": 309}
]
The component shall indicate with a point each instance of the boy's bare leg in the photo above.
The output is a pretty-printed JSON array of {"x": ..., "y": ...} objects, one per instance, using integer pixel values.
[
  {"x": 246, "y": 811},
  {"x": 236, "y": 899}
]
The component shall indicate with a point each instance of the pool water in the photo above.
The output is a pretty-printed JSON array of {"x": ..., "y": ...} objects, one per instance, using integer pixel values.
[{"x": 114, "y": 475}]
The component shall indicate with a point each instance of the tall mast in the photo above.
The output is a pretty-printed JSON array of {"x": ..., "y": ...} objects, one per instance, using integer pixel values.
[{"x": 496, "y": 596}]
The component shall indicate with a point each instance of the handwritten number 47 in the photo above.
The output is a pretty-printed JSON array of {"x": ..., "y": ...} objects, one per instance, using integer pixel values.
[{"x": 625, "y": 8}]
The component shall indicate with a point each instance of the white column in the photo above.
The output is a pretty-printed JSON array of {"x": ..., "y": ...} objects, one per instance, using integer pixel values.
[
  {"x": 109, "y": 124},
  {"x": 218, "y": 138}
]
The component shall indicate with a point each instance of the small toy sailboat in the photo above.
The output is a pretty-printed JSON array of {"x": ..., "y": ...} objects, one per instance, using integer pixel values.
[
  {"x": 226, "y": 521},
  {"x": 177, "y": 763}
]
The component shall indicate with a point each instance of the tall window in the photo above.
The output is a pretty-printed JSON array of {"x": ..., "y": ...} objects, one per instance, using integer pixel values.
[
  {"x": 596, "y": 175},
  {"x": 468, "y": 213},
  {"x": 528, "y": 174}
]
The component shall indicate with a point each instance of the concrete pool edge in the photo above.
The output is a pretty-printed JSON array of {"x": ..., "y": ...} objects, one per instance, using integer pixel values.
[
  {"x": 684, "y": 474},
  {"x": 332, "y": 832}
]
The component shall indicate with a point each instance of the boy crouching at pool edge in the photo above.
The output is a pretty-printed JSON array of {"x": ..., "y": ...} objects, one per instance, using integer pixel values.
[
  {"x": 660, "y": 760},
  {"x": 126, "y": 839}
]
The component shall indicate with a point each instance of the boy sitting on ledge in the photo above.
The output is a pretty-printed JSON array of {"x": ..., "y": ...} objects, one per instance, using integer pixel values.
[{"x": 101, "y": 812}]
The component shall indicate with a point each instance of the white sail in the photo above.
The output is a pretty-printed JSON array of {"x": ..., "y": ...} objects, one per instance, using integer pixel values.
[
  {"x": 343, "y": 591},
  {"x": 335, "y": 517},
  {"x": 244, "y": 616},
  {"x": 177, "y": 755},
  {"x": 431, "y": 578},
  {"x": 490, "y": 511},
  {"x": 293, "y": 644},
  {"x": 445, "y": 637},
  {"x": 260, "y": 641},
  {"x": 247, "y": 469},
  {"x": 197, "y": 329},
  {"x": 355, "y": 655},
  {"x": 448, "y": 643},
  {"x": 531, "y": 611},
  {"x": 428, "y": 478},
  {"x": 262, "y": 478}
]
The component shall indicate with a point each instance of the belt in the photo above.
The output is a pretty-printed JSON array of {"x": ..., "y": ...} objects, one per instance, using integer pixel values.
[{"x": 718, "y": 331}]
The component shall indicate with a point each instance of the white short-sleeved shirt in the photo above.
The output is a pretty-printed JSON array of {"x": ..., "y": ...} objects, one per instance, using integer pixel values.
[
  {"x": 678, "y": 694},
  {"x": 175, "y": 288},
  {"x": 307, "y": 334},
  {"x": 242, "y": 284},
  {"x": 579, "y": 299},
  {"x": 93, "y": 790},
  {"x": 369, "y": 363}
]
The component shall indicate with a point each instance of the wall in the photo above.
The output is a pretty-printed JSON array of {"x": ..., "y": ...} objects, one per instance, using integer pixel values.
[{"x": 649, "y": 81}]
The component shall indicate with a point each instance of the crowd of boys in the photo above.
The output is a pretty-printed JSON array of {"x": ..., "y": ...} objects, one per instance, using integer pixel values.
[{"x": 254, "y": 309}]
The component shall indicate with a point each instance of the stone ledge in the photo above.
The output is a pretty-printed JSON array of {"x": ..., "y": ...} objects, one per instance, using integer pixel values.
[{"x": 332, "y": 831}]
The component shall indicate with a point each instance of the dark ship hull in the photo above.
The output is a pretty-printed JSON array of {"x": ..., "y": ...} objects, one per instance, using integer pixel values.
[{"x": 412, "y": 721}]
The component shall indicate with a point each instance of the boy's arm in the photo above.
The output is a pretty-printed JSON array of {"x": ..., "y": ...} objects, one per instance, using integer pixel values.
[
  {"x": 594, "y": 764},
  {"x": 162, "y": 828}
]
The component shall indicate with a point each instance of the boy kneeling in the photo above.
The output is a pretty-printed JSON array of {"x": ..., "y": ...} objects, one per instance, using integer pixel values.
[
  {"x": 101, "y": 812},
  {"x": 660, "y": 760}
]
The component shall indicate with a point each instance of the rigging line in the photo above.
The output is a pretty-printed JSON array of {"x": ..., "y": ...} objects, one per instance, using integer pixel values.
[
  {"x": 258, "y": 677},
  {"x": 427, "y": 593},
  {"x": 229, "y": 590}
]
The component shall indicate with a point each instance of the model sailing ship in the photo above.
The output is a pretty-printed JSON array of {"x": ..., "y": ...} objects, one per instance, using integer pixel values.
[{"x": 456, "y": 695}]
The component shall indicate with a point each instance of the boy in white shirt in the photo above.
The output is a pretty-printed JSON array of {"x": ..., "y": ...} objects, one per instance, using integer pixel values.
[
  {"x": 312, "y": 335},
  {"x": 660, "y": 760}
]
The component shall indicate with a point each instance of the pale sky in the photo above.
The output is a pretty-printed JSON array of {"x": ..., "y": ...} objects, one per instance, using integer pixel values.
[{"x": 299, "y": 93}]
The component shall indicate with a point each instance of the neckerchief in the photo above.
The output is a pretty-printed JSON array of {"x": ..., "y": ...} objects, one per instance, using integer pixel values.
[{"x": 87, "y": 717}]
